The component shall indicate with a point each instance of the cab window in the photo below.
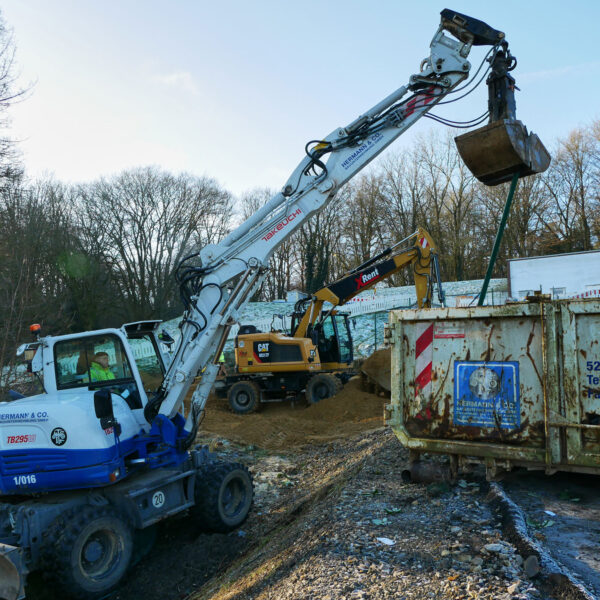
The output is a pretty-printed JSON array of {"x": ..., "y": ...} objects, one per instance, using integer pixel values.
[
  {"x": 328, "y": 346},
  {"x": 345, "y": 340},
  {"x": 82, "y": 361},
  {"x": 148, "y": 363}
]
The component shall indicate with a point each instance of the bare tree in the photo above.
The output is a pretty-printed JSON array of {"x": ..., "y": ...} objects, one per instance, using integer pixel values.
[
  {"x": 253, "y": 200},
  {"x": 595, "y": 132},
  {"x": 317, "y": 246},
  {"x": 403, "y": 193},
  {"x": 448, "y": 201},
  {"x": 35, "y": 232},
  {"x": 405, "y": 204},
  {"x": 572, "y": 186},
  {"x": 361, "y": 207},
  {"x": 146, "y": 221},
  {"x": 525, "y": 225},
  {"x": 10, "y": 93}
]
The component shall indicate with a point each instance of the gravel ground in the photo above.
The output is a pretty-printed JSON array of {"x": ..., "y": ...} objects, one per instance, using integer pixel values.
[{"x": 337, "y": 522}]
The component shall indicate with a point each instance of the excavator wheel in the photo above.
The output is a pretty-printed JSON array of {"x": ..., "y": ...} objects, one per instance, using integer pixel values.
[
  {"x": 244, "y": 397},
  {"x": 87, "y": 552},
  {"x": 223, "y": 495},
  {"x": 321, "y": 386}
]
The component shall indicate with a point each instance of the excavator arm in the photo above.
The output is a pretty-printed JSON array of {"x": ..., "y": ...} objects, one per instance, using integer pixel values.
[
  {"x": 422, "y": 255},
  {"x": 216, "y": 283}
]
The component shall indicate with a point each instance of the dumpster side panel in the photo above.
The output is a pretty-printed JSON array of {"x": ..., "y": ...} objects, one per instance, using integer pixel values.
[
  {"x": 517, "y": 384},
  {"x": 470, "y": 378},
  {"x": 581, "y": 359}
]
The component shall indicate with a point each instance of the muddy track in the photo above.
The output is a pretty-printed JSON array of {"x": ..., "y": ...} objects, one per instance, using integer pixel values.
[{"x": 329, "y": 488}]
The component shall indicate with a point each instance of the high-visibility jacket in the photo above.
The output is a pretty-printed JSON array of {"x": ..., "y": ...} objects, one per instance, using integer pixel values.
[{"x": 99, "y": 373}]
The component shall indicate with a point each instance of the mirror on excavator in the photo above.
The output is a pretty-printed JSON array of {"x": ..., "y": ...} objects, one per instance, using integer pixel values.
[{"x": 497, "y": 151}]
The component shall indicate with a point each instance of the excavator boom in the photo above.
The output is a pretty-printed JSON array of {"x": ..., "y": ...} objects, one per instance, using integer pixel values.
[{"x": 421, "y": 255}]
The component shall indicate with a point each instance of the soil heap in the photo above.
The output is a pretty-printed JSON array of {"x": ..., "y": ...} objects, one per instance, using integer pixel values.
[
  {"x": 284, "y": 425},
  {"x": 378, "y": 368}
]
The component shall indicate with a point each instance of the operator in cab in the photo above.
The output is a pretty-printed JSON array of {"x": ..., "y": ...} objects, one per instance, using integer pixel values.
[{"x": 99, "y": 370}]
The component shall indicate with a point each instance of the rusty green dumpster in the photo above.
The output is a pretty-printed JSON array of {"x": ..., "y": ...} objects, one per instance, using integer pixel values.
[{"x": 504, "y": 386}]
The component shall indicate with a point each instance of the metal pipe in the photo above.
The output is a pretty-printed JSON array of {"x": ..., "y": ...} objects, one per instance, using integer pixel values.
[
  {"x": 221, "y": 344},
  {"x": 378, "y": 108},
  {"x": 499, "y": 234},
  {"x": 438, "y": 278},
  {"x": 250, "y": 287},
  {"x": 236, "y": 290}
]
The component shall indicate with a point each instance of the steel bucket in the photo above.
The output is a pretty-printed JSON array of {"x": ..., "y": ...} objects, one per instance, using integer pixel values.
[{"x": 495, "y": 152}]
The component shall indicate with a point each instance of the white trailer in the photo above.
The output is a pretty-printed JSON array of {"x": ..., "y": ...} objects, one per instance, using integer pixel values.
[{"x": 571, "y": 275}]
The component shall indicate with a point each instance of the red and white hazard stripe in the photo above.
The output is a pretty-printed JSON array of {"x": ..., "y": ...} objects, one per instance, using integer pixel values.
[
  {"x": 423, "y": 242},
  {"x": 423, "y": 360}
]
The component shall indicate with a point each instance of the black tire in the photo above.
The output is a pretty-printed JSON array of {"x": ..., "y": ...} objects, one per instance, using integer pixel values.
[
  {"x": 244, "y": 397},
  {"x": 321, "y": 386},
  {"x": 88, "y": 551},
  {"x": 223, "y": 495}
]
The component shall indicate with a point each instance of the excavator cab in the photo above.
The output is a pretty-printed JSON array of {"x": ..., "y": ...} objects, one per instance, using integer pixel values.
[{"x": 331, "y": 334}]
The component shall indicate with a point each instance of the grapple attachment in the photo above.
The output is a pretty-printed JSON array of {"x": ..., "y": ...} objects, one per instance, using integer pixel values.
[
  {"x": 502, "y": 148},
  {"x": 495, "y": 152}
]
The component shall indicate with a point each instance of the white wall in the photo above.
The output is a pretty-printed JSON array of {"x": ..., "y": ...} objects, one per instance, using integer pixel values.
[{"x": 561, "y": 275}]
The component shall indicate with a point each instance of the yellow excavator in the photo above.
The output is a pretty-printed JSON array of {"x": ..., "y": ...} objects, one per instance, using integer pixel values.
[{"x": 316, "y": 357}]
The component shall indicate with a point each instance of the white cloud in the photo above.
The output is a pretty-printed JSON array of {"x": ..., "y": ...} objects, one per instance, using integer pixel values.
[{"x": 182, "y": 80}]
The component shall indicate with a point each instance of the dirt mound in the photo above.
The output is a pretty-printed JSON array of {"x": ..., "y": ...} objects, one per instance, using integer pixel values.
[
  {"x": 280, "y": 426},
  {"x": 378, "y": 368}
]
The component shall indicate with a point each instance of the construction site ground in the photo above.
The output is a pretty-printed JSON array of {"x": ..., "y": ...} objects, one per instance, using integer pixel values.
[{"x": 332, "y": 519}]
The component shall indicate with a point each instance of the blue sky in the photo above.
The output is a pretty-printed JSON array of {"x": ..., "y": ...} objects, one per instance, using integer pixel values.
[{"x": 233, "y": 90}]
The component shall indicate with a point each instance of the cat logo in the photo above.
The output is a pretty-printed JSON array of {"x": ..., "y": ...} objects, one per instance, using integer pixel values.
[{"x": 262, "y": 351}]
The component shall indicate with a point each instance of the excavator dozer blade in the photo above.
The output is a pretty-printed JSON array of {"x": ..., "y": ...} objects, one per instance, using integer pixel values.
[
  {"x": 11, "y": 582},
  {"x": 495, "y": 152}
]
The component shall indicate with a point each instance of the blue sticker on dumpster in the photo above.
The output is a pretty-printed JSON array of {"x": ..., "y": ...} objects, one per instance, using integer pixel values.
[{"x": 486, "y": 394}]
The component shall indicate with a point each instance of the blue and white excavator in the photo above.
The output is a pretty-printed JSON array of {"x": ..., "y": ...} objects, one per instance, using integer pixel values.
[{"x": 106, "y": 449}]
